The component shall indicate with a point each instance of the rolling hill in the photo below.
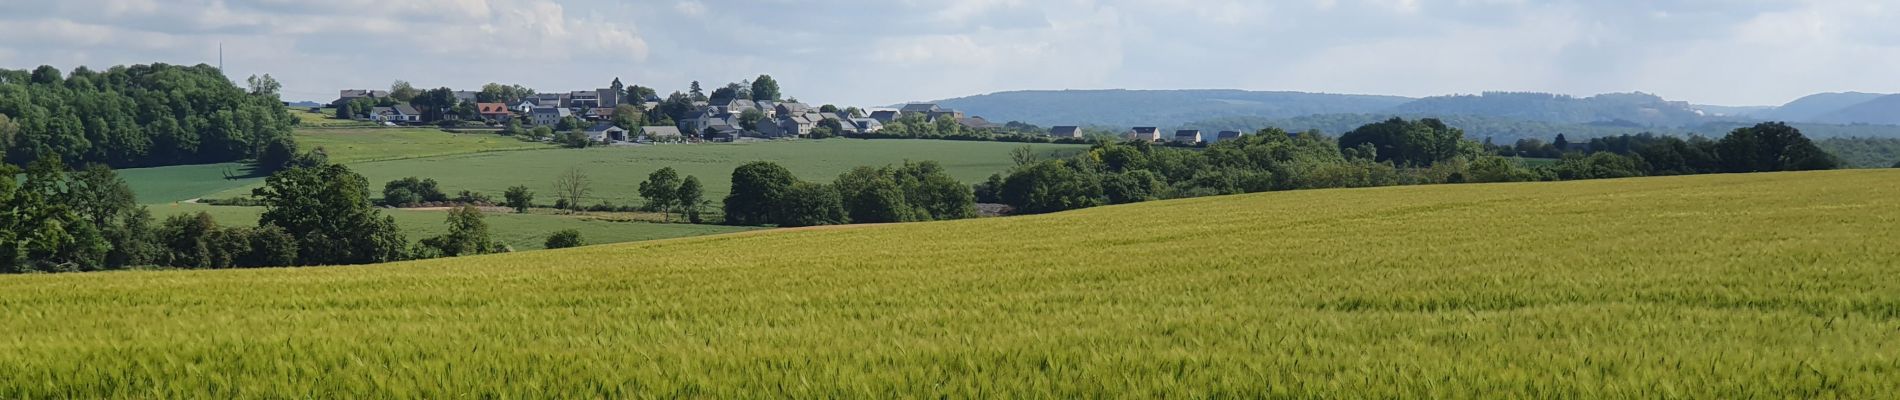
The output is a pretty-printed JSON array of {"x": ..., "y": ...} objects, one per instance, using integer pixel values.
[
  {"x": 1719, "y": 286},
  {"x": 1814, "y": 106},
  {"x": 1883, "y": 110},
  {"x": 1165, "y": 108}
]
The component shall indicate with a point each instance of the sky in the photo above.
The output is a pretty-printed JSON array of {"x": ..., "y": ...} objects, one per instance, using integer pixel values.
[{"x": 881, "y": 52}]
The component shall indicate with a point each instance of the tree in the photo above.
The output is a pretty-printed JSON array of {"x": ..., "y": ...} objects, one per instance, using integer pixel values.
[
  {"x": 1407, "y": 143},
  {"x": 1024, "y": 155},
  {"x": 279, "y": 154},
  {"x": 619, "y": 91},
  {"x": 499, "y": 93},
  {"x": 572, "y": 187},
  {"x": 468, "y": 235},
  {"x": 568, "y": 124},
  {"x": 661, "y": 191},
  {"x": 756, "y": 188},
  {"x": 1050, "y": 186},
  {"x": 327, "y": 209},
  {"x": 697, "y": 93},
  {"x": 1771, "y": 146},
  {"x": 870, "y": 196},
  {"x": 402, "y": 91},
  {"x": 137, "y": 116},
  {"x": 564, "y": 239},
  {"x": 828, "y": 109},
  {"x": 264, "y": 86},
  {"x": 628, "y": 117},
  {"x": 575, "y": 139},
  {"x": 411, "y": 191},
  {"x": 750, "y": 118},
  {"x": 519, "y": 198},
  {"x": 435, "y": 104},
  {"x": 765, "y": 88},
  {"x": 1562, "y": 144},
  {"x": 8, "y": 130},
  {"x": 691, "y": 197},
  {"x": 810, "y": 204}
]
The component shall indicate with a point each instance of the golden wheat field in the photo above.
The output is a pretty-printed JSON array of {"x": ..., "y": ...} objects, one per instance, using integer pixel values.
[{"x": 1730, "y": 286}]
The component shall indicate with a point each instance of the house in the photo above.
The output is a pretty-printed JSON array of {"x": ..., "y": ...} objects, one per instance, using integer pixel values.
[
  {"x": 583, "y": 99},
  {"x": 951, "y": 114},
  {"x": 494, "y": 112},
  {"x": 346, "y": 95},
  {"x": 976, "y": 123},
  {"x": 1073, "y": 132},
  {"x": 918, "y": 108},
  {"x": 598, "y": 114},
  {"x": 793, "y": 108},
  {"x": 930, "y": 112},
  {"x": 400, "y": 113},
  {"x": 606, "y": 133},
  {"x": 769, "y": 107},
  {"x": 524, "y": 106},
  {"x": 733, "y": 106},
  {"x": 549, "y": 116},
  {"x": 1188, "y": 136},
  {"x": 550, "y": 99},
  {"x": 1226, "y": 136},
  {"x": 1144, "y": 133},
  {"x": 866, "y": 125},
  {"x": 662, "y": 133},
  {"x": 885, "y": 116},
  {"x": 609, "y": 98}
]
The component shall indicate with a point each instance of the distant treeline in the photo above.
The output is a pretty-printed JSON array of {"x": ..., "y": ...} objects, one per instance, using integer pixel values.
[{"x": 141, "y": 115}]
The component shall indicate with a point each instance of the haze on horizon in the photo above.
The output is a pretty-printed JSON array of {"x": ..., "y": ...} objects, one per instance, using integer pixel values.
[{"x": 863, "y": 52}]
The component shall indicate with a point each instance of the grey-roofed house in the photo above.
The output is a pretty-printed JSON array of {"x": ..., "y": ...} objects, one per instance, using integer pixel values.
[
  {"x": 1188, "y": 136},
  {"x": 606, "y": 133},
  {"x": 549, "y": 116},
  {"x": 400, "y": 113},
  {"x": 524, "y": 106},
  {"x": 1226, "y": 136},
  {"x": 662, "y": 133},
  {"x": 1074, "y": 132},
  {"x": 793, "y": 108},
  {"x": 884, "y": 116},
  {"x": 550, "y": 99},
  {"x": 867, "y": 125},
  {"x": 1145, "y": 133},
  {"x": 919, "y": 108},
  {"x": 976, "y": 123}
]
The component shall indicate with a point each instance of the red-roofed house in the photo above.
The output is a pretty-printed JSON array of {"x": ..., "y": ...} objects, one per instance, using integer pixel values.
[{"x": 495, "y": 112}]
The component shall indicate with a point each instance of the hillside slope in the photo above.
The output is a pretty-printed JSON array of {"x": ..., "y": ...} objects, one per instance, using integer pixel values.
[
  {"x": 1729, "y": 286},
  {"x": 1809, "y": 108},
  {"x": 1884, "y": 110},
  {"x": 1164, "y": 108}
]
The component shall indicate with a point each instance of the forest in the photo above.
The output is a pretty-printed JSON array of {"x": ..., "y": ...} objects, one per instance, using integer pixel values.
[{"x": 140, "y": 116}]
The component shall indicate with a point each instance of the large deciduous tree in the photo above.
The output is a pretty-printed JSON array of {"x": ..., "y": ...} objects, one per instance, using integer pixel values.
[
  {"x": 328, "y": 210},
  {"x": 756, "y": 188},
  {"x": 661, "y": 191}
]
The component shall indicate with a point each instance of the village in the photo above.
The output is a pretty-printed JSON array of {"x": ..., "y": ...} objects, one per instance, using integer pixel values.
[{"x": 720, "y": 118}]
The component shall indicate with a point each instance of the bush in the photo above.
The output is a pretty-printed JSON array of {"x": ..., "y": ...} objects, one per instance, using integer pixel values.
[
  {"x": 565, "y": 239},
  {"x": 411, "y": 191}
]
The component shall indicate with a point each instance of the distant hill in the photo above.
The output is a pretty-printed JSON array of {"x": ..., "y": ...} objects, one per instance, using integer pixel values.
[
  {"x": 1123, "y": 108},
  {"x": 1616, "y": 109},
  {"x": 1884, "y": 110},
  {"x": 1507, "y": 130},
  {"x": 1814, "y": 106},
  {"x": 1733, "y": 111}
]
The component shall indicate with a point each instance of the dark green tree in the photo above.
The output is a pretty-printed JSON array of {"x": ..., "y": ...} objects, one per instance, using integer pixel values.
[
  {"x": 756, "y": 188},
  {"x": 468, "y": 235},
  {"x": 1772, "y": 146},
  {"x": 564, "y": 239},
  {"x": 661, "y": 191},
  {"x": 810, "y": 204},
  {"x": 691, "y": 198},
  {"x": 328, "y": 210},
  {"x": 765, "y": 88},
  {"x": 519, "y": 198}
]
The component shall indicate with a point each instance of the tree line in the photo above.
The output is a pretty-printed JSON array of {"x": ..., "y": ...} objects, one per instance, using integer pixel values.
[
  {"x": 140, "y": 115},
  {"x": 1393, "y": 152}
]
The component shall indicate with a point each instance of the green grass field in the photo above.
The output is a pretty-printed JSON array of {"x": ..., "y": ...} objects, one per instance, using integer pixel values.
[
  {"x": 326, "y": 119},
  {"x": 618, "y": 171},
  {"x": 351, "y": 146},
  {"x": 1729, "y": 286},
  {"x": 523, "y": 232},
  {"x": 185, "y": 182}
]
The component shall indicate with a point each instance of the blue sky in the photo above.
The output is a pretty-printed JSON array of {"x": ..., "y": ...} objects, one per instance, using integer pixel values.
[{"x": 875, "y": 52}]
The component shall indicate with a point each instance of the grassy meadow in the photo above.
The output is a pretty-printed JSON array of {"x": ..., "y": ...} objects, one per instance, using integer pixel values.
[
  {"x": 351, "y": 146},
  {"x": 1721, "y": 286},
  {"x": 521, "y": 231},
  {"x": 185, "y": 182},
  {"x": 616, "y": 172}
]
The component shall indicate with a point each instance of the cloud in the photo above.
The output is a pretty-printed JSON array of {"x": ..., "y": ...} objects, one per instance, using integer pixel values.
[{"x": 875, "y": 52}]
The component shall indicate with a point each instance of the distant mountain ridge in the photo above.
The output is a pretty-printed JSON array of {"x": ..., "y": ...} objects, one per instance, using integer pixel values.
[
  {"x": 1499, "y": 114},
  {"x": 1158, "y": 107}
]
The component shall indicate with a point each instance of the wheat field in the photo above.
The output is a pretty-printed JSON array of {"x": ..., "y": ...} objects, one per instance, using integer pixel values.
[{"x": 1730, "y": 286}]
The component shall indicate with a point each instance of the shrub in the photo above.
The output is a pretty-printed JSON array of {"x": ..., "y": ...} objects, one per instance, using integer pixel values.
[{"x": 565, "y": 239}]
